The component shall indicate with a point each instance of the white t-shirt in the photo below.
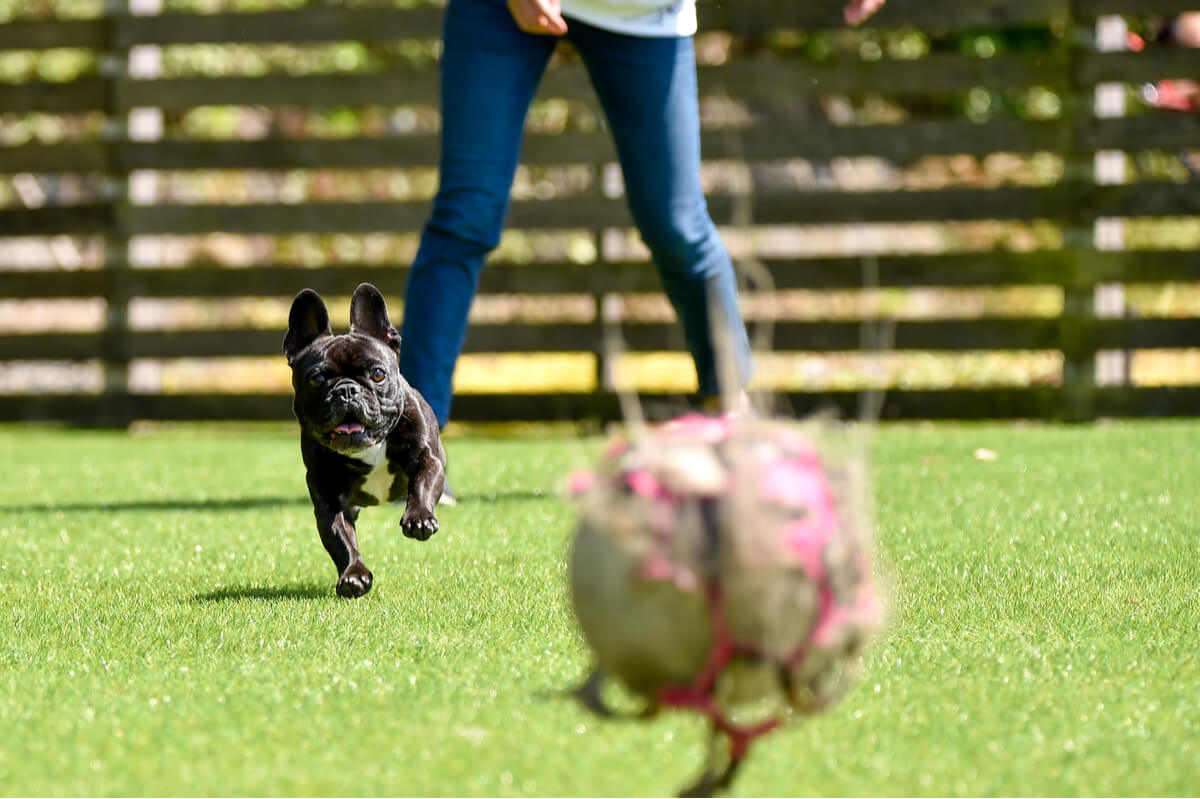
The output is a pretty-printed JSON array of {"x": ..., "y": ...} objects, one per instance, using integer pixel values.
[{"x": 636, "y": 17}]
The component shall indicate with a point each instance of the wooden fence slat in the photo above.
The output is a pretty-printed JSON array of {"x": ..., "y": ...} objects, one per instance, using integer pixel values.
[
  {"x": 1158, "y": 401},
  {"x": 992, "y": 268},
  {"x": 587, "y": 213},
  {"x": 938, "y": 72},
  {"x": 54, "y": 220},
  {"x": 282, "y": 153},
  {"x": 72, "y": 408},
  {"x": 763, "y": 16},
  {"x": 986, "y": 403},
  {"x": 92, "y": 409},
  {"x": 943, "y": 205},
  {"x": 1140, "y": 266},
  {"x": 44, "y": 34},
  {"x": 943, "y": 335},
  {"x": 395, "y": 87},
  {"x": 50, "y": 347},
  {"x": 898, "y": 143},
  {"x": 316, "y": 25},
  {"x": 549, "y": 278},
  {"x": 1154, "y": 63},
  {"x": 63, "y": 157},
  {"x": 758, "y": 78},
  {"x": 961, "y": 270},
  {"x": 993, "y": 403},
  {"x": 934, "y": 335},
  {"x": 47, "y": 284},
  {"x": 1085, "y": 9},
  {"x": 1003, "y": 403},
  {"x": 1153, "y": 131},
  {"x": 212, "y": 407},
  {"x": 768, "y": 77},
  {"x": 1145, "y": 333},
  {"x": 387, "y": 24},
  {"x": 1145, "y": 199},
  {"x": 331, "y": 217},
  {"x": 85, "y": 94},
  {"x": 961, "y": 403},
  {"x": 969, "y": 269},
  {"x": 392, "y": 24},
  {"x": 308, "y": 25},
  {"x": 201, "y": 282}
]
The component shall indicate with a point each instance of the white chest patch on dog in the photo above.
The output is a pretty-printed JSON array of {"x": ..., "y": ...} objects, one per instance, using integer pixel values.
[{"x": 378, "y": 481}]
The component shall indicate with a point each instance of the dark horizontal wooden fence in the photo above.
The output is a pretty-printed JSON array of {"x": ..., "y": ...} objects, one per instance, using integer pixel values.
[{"x": 1068, "y": 65}]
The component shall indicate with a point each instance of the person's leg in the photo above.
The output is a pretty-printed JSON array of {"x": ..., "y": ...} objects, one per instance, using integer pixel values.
[
  {"x": 490, "y": 70},
  {"x": 647, "y": 87}
]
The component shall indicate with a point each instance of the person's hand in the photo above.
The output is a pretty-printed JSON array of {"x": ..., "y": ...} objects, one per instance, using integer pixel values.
[
  {"x": 538, "y": 16},
  {"x": 859, "y": 10}
]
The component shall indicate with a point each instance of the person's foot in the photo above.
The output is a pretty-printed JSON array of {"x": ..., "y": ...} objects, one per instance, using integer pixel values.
[{"x": 448, "y": 499}]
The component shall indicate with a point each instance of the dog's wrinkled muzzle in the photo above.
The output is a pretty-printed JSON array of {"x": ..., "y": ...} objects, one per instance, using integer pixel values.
[{"x": 350, "y": 427}]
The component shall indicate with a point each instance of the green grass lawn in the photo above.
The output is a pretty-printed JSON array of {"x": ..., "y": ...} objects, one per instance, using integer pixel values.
[{"x": 168, "y": 627}]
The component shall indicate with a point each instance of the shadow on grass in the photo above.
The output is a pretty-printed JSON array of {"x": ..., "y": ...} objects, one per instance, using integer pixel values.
[
  {"x": 266, "y": 593},
  {"x": 228, "y": 503},
  {"x": 239, "y": 503}
]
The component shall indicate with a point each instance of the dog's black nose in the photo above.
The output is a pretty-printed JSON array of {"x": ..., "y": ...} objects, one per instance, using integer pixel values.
[{"x": 345, "y": 391}]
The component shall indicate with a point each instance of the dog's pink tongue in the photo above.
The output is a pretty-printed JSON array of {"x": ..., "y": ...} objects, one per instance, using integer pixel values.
[{"x": 349, "y": 428}]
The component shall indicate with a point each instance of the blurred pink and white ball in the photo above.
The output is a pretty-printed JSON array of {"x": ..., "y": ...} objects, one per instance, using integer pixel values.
[{"x": 721, "y": 562}]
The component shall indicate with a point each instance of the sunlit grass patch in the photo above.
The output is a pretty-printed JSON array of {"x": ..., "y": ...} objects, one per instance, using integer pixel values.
[{"x": 170, "y": 626}]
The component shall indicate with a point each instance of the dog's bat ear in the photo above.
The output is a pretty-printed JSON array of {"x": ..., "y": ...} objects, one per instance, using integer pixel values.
[
  {"x": 307, "y": 322},
  {"x": 369, "y": 316}
]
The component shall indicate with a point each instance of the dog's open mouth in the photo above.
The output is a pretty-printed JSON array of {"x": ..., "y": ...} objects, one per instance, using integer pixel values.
[
  {"x": 350, "y": 433},
  {"x": 351, "y": 428}
]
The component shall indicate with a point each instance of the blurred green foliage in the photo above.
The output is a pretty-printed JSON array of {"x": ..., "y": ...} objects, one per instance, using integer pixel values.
[
  {"x": 60, "y": 65},
  {"x": 40, "y": 9}
]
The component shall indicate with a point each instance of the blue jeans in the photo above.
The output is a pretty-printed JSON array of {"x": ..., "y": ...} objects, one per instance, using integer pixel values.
[{"x": 490, "y": 71}]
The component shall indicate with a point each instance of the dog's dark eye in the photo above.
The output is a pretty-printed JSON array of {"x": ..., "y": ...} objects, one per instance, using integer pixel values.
[
  {"x": 377, "y": 374},
  {"x": 317, "y": 380}
]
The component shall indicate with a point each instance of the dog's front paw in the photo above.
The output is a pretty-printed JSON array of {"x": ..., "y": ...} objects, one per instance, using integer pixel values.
[
  {"x": 355, "y": 581},
  {"x": 418, "y": 523}
]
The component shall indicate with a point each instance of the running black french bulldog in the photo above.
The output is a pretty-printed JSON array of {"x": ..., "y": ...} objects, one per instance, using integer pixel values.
[{"x": 366, "y": 435}]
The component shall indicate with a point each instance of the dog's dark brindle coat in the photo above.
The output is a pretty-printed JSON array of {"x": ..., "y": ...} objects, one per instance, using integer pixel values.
[{"x": 366, "y": 435}]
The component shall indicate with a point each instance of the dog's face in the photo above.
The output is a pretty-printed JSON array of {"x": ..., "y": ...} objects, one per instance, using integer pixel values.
[{"x": 349, "y": 392}]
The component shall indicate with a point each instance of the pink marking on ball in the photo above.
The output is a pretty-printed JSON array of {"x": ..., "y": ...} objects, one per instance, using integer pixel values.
[
  {"x": 580, "y": 482},
  {"x": 656, "y": 568},
  {"x": 644, "y": 483},
  {"x": 863, "y": 612},
  {"x": 800, "y": 484},
  {"x": 796, "y": 483},
  {"x": 808, "y": 540},
  {"x": 836, "y": 618}
]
